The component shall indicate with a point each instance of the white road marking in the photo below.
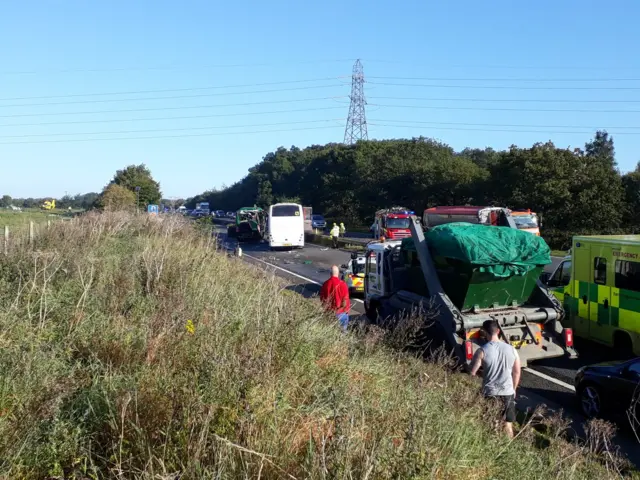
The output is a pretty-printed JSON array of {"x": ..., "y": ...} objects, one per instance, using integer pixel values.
[
  {"x": 291, "y": 273},
  {"x": 550, "y": 379}
]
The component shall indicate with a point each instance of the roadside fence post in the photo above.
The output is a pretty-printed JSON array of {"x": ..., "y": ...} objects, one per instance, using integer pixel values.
[
  {"x": 31, "y": 232},
  {"x": 6, "y": 239}
]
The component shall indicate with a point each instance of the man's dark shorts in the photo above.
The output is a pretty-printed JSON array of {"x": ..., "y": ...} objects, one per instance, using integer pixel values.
[{"x": 508, "y": 405}]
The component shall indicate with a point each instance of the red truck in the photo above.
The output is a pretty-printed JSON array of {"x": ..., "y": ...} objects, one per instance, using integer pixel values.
[{"x": 392, "y": 223}]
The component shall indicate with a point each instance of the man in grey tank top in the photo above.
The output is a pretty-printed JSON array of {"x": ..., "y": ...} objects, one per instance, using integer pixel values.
[{"x": 500, "y": 372}]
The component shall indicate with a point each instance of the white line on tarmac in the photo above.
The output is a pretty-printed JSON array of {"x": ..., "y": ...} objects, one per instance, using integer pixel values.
[
  {"x": 292, "y": 273},
  {"x": 550, "y": 379}
]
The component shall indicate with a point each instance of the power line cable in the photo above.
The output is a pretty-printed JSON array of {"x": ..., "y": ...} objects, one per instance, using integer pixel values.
[
  {"x": 166, "y": 90},
  {"x": 495, "y": 130},
  {"x": 433, "y": 107},
  {"x": 171, "y": 97},
  {"x": 153, "y": 130},
  {"x": 499, "y": 87},
  {"x": 503, "y": 79},
  {"x": 503, "y": 100},
  {"x": 155, "y": 109},
  {"x": 188, "y": 117},
  {"x": 170, "y": 67},
  {"x": 508, "y": 67},
  {"x": 509, "y": 125},
  {"x": 169, "y": 136}
]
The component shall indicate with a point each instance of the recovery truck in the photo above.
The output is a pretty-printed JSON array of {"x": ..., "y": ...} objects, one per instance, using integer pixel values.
[
  {"x": 250, "y": 224},
  {"x": 392, "y": 223},
  {"x": 461, "y": 275}
]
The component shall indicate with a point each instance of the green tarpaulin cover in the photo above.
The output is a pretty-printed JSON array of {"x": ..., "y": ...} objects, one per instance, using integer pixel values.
[{"x": 500, "y": 251}]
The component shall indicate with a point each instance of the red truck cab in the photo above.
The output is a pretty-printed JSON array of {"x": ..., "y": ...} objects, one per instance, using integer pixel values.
[{"x": 392, "y": 223}]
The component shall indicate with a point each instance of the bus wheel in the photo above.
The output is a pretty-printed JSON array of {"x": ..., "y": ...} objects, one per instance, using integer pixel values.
[{"x": 623, "y": 345}]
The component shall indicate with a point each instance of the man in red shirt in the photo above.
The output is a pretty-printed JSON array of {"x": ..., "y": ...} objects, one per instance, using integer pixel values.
[{"x": 334, "y": 294}]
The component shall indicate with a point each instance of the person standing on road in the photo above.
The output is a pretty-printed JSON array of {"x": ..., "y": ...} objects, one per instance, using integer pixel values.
[
  {"x": 500, "y": 372},
  {"x": 334, "y": 294},
  {"x": 343, "y": 230},
  {"x": 335, "y": 233}
]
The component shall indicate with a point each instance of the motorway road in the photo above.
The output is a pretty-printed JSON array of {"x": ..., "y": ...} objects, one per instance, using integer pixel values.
[{"x": 308, "y": 268}]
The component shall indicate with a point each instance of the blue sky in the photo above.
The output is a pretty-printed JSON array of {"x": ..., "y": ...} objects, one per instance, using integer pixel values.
[{"x": 575, "y": 57}]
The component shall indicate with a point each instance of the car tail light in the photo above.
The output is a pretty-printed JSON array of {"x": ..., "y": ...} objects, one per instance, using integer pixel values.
[
  {"x": 568, "y": 337},
  {"x": 468, "y": 349}
]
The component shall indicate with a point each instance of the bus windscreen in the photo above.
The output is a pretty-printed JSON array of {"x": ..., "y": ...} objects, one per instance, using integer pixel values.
[{"x": 285, "y": 211}]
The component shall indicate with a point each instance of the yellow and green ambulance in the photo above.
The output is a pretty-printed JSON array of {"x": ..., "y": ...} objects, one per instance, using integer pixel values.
[{"x": 599, "y": 287}]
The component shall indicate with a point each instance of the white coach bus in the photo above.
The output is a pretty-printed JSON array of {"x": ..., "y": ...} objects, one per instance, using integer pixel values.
[{"x": 286, "y": 225}]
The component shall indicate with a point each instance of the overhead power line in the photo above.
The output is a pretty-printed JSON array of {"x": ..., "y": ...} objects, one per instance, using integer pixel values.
[
  {"x": 168, "y": 136},
  {"x": 171, "y": 97},
  {"x": 155, "y": 130},
  {"x": 188, "y": 117},
  {"x": 510, "y": 67},
  {"x": 503, "y": 100},
  {"x": 499, "y": 87},
  {"x": 167, "y": 90},
  {"x": 155, "y": 109},
  {"x": 526, "y": 125},
  {"x": 495, "y": 130},
  {"x": 507, "y": 79},
  {"x": 170, "y": 67},
  {"x": 499, "y": 109}
]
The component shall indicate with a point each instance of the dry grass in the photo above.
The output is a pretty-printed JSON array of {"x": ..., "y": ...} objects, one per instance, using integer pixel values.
[{"x": 132, "y": 348}]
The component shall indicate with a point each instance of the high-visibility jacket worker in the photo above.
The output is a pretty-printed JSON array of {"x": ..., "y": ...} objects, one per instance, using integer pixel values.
[
  {"x": 335, "y": 233},
  {"x": 343, "y": 230}
]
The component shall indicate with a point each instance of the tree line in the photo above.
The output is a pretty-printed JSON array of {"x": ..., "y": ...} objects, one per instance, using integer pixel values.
[
  {"x": 574, "y": 191},
  {"x": 131, "y": 187}
]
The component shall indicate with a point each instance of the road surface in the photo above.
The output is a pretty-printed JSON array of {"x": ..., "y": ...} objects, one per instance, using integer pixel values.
[{"x": 306, "y": 270}]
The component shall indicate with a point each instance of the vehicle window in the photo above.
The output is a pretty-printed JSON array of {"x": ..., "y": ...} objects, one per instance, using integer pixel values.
[
  {"x": 628, "y": 275},
  {"x": 379, "y": 262},
  {"x": 562, "y": 275},
  {"x": 285, "y": 211},
  {"x": 525, "y": 221},
  {"x": 600, "y": 270},
  {"x": 318, "y": 217},
  {"x": 397, "y": 223}
]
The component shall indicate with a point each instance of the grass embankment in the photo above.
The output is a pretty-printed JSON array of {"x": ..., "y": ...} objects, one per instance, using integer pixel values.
[{"x": 131, "y": 348}]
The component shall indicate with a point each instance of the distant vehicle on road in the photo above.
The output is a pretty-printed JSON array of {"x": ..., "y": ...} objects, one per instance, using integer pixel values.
[
  {"x": 203, "y": 207},
  {"x": 609, "y": 388},
  {"x": 198, "y": 213},
  {"x": 496, "y": 216},
  {"x": 286, "y": 225},
  {"x": 526, "y": 220},
  {"x": 231, "y": 214},
  {"x": 318, "y": 221},
  {"x": 392, "y": 223},
  {"x": 220, "y": 213}
]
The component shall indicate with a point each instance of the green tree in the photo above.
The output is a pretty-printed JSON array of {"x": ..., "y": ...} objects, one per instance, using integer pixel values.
[
  {"x": 5, "y": 201},
  {"x": 135, "y": 176},
  {"x": 631, "y": 185},
  {"x": 115, "y": 197}
]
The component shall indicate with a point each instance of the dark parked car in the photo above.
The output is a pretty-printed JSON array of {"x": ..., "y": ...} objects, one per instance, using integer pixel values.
[
  {"x": 318, "y": 221},
  {"x": 609, "y": 388}
]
